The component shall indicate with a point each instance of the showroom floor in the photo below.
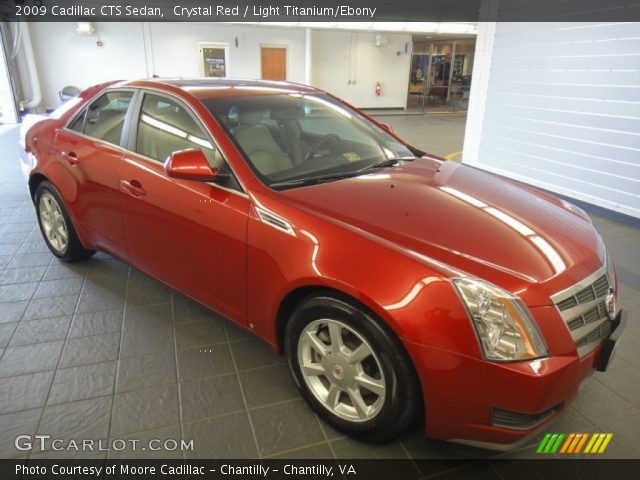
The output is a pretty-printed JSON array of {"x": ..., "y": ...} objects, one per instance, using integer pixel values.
[
  {"x": 98, "y": 350},
  {"x": 438, "y": 133}
]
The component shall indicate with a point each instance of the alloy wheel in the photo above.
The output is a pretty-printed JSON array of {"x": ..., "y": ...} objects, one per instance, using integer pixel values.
[
  {"x": 341, "y": 370},
  {"x": 53, "y": 222}
]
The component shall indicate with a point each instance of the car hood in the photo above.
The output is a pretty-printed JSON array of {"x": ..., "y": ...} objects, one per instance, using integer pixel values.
[{"x": 467, "y": 218}]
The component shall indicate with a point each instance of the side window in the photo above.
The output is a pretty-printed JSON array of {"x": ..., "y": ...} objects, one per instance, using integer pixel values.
[
  {"x": 105, "y": 116},
  {"x": 165, "y": 127},
  {"x": 78, "y": 124}
]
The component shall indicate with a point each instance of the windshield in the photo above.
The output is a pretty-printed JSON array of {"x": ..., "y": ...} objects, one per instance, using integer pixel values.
[{"x": 288, "y": 138}]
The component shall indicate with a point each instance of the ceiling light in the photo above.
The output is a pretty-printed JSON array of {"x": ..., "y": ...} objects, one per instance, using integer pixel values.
[{"x": 85, "y": 28}]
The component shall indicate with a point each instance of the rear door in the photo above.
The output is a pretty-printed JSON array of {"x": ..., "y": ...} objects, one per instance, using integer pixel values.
[
  {"x": 90, "y": 152},
  {"x": 189, "y": 234}
]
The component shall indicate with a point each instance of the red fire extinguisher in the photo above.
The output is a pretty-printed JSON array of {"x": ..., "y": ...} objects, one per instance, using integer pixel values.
[{"x": 378, "y": 89}]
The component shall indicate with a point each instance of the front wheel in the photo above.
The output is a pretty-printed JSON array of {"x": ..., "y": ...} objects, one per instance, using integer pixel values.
[
  {"x": 351, "y": 369},
  {"x": 56, "y": 227}
]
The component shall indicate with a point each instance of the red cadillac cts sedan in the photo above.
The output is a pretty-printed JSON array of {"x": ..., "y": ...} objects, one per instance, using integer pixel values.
[{"x": 394, "y": 282}]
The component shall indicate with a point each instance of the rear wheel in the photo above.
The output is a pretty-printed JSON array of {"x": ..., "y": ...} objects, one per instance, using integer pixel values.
[
  {"x": 56, "y": 227},
  {"x": 351, "y": 369}
]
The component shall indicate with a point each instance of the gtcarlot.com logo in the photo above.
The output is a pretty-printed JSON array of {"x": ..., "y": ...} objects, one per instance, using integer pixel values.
[{"x": 573, "y": 443}]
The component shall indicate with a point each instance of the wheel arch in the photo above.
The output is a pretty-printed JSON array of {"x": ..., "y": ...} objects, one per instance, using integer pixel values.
[
  {"x": 301, "y": 293},
  {"x": 35, "y": 180}
]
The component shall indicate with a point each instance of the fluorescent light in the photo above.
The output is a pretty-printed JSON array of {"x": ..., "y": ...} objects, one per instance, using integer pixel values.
[
  {"x": 451, "y": 28},
  {"x": 85, "y": 28}
]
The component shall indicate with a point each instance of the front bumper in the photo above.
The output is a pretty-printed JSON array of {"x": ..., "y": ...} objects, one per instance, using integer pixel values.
[
  {"x": 608, "y": 347},
  {"x": 461, "y": 393}
]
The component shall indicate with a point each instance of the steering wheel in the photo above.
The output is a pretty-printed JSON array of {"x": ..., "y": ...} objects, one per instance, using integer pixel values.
[{"x": 315, "y": 148}]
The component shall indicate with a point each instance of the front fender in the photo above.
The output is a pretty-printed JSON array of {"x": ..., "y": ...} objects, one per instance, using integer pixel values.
[{"x": 414, "y": 299}]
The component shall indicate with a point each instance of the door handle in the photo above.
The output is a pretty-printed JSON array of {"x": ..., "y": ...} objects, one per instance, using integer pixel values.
[
  {"x": 70, "y": 157},
  {"x": 133, "y": 188}
]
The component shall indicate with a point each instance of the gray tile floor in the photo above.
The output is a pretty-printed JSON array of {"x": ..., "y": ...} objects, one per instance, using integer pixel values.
[{"x": 98, "y": 350}]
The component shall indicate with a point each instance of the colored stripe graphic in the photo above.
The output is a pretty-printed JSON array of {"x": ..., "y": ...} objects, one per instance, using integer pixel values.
[
  {"x": 599, "y": 443},
  {"x": 581, "y": 443},
  {"x": 567, "y": 442},
  {"x": 550, "y": 443},
  {"x": 576, "y": 440},
  {"x": 592, "y": 440},
  {"x": 572, "y": 443},
  {"x": 556, "y": 445},
  {"x": 543, "y": 443},
  {"x": 606, "y": 442}
]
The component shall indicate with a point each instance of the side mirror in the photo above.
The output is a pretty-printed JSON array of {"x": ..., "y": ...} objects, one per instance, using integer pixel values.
[
  {"x": 386, "y": 126},
  {"x": 190, "y": 164}
]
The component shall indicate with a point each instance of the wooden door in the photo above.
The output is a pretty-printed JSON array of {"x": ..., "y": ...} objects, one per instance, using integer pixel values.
[{"x": 274, "y": 63}]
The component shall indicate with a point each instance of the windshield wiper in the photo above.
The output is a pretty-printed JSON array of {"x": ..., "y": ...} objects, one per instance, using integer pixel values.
[
  {"x": 389, "y": 162},
  {"x": 298, "y": 182}
]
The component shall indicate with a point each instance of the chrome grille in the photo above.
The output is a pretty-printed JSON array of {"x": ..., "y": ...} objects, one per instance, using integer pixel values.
[
  {"x": 585, "y": 295},
  {"x": 568, "y": 303},
  {"x": 590, "y": 316},
  {"x": 601, "y": 332},
  {"x": 584, "y": 310},
  {"x": 601, "y": 286}
]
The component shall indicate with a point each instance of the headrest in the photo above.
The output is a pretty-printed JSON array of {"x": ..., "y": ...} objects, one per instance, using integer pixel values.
[
  {"x": 251, "y": 117},
  {"x": 290, "y": 112}
]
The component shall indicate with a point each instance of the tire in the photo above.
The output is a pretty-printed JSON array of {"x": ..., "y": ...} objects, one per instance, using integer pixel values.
[
  {"x": 55, "y": 224},
  {"x": 393, "y": 396}
]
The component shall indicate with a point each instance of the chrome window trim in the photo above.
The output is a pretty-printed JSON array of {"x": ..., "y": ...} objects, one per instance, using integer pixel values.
[
  {"x": 124, "y": 150},
  {"x": 203, "y": 124},
  {"x": 89, "y": 102}
]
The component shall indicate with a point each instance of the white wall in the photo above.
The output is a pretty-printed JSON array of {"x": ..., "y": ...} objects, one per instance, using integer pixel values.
[
  {"x": 66, "y": 58},
  {"x": 7, "y": 105},
  {"x": 557, "y": 105},
  {"x": 175, "y": 48},
  {"x": 137, "y": 50},
  {"x": 339, "y": 56}
]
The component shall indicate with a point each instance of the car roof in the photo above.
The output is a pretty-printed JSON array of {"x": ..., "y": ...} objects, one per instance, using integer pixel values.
[{"x": 204, "y": 88}]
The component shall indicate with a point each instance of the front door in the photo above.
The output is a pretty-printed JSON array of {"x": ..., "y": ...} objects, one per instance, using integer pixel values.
[
  {"x": 90, "y": 153},
  {"x": 274, "y": 63},
  {"x": 189, "y": 234}
]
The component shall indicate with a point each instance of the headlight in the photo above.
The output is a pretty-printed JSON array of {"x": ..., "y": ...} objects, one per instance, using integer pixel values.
[
  {"x": 611, "y": 273},
  {"x": 611, "y": 300},
  {"x": 504, "y": 325}
]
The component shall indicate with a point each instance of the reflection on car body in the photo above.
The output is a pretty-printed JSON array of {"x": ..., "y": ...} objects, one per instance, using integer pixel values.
[{"x": 393, "y": 281}]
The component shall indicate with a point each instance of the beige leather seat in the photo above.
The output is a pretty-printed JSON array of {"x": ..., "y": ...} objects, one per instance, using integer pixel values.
[
  {"x": 258, "y": 143},
  {"x": 107, "y": 126}
]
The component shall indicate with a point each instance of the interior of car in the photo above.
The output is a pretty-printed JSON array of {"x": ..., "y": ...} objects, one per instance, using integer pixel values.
[
  {"x": 165, "y": 127},
  {"x": 285, "y": 136}
]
